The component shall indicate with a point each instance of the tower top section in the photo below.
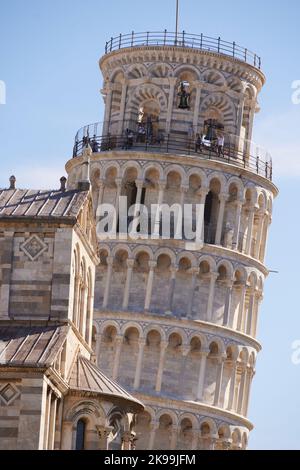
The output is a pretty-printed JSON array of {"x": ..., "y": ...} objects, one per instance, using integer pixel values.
[{"x": 181, "y": 40}]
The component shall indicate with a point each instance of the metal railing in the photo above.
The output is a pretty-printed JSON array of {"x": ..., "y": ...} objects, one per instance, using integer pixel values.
[
  {"x": 183, "y": 39},
  {"x": 176, "y": 144}
]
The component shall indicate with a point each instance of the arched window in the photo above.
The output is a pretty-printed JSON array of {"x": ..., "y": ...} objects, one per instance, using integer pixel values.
[{"x": 80, "y": 434}]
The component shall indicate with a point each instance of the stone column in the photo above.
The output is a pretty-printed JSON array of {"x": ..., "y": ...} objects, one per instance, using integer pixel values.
[
  {"x": 52, "y": 423},
  {"x": 229, "y": 289},
  {"x": 161, "y": 192},
  {"x": 130, "y": 264},
  {"x": 250, "y": 374},
  {"x": 171, "y": 289},
  {"x": 195, "y": 439},
  {"x": 100, "y": 194},
  {"x": 240, "y": 324},
  {"x": 201, "y": 378},
  {"x": 76, "y": 302},
  {"x": 82, "y": 327},
  {"x": 47, "y": 419},
  {"x": 235, "y": 242},
  {"x": 250, "y": 312},
  {"x": 250, "y": 231},
  {"x": 202, "y": 193},
  {"x": 232, "y": 386},
  {"x": 240, "y": 115},
  {"x": 122, "y": 107},
  {"x": 197, "y": 105},
  {"x": 194, "y": 272},
  {"x": 103, "y": 433},
  {"x": 117, "y": 200},
  {"x": 258, "y": 299},
  {"x": 98, "y": 346},
  {"x": 242, "y": 390},
  {"x": 127, "y": 440},
  {"x": 118, "y": 342},
  {"x": 174, "y": 437},
  {"x": 137, "y": 378},
  {"x": 259, "y": 235},
  {"x": 223, "y": 198},
  {"x": 107, "y": 114},
  {"x": 161, "y": 365},
  {"x": 153, "y": 428},
  {"x": 219, "y": 381},
  {"x": 209, "y": 311},
  {"x": 179, "y": 228},
  {"x": 152, "y": 266},
  {"x": 172, "y": 81},
  {"x": 109, "y": 261},
  {"x": 268, "y": 221}
]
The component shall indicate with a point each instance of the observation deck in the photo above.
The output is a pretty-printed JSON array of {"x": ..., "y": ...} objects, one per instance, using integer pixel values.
[
  {"x": 183, "y": 40},
  {"x": 236, "y": 151}
]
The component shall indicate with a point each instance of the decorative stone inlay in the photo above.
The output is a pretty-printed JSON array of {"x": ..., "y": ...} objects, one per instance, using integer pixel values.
[
  {"x": 9, "y": 393},
  {"x": 33, "y": 247}
]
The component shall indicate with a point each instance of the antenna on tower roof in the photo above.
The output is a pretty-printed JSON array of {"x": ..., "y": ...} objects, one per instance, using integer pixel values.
[{"x": 177, "y": 19}]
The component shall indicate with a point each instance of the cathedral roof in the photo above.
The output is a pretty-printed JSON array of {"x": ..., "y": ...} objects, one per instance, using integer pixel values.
[
  {"x": 22, "y": 203},
  {"x": 30, "y": 346},
  {"x": 87, "y": 377}
]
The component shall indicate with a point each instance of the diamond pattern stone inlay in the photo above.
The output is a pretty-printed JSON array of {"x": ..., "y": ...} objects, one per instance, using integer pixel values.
[
  {"x": 33, "y": 247},
  {"x": 9, "y": 393}
]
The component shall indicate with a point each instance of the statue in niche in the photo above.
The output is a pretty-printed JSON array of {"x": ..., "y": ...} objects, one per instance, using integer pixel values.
[{"x": 184, "y": 96}]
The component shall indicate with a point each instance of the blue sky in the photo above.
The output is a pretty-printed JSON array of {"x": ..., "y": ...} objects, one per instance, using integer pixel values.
[{"x": 49, "y": 53}]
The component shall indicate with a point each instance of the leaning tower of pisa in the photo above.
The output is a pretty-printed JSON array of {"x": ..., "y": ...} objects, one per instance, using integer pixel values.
[{"x": 176, "y": 321}]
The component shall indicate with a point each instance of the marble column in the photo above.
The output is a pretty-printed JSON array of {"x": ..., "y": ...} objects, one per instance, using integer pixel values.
[
  {"x": 130, "y": 265},
  {"x": 219, "y": 381},
  {"x": 153, "y": 428},
  {"x": 100, "y": 195},
  {"x": 174, "y": 437},
  {"x": 172, "y": 81},
  {"x": 250, "y": 312},
  {"x": 232, "y": 386},
  {"x": 110, "y": 261},
  {"x": 241, "y": 394},
  {"x": 52, "y": 424},
  {"x": 122, "y": 107},
  {"x": 152, "y": 266},
  {"x": 228, "y": 299},
  {"x": 47, "y": 418},
  {"x": 259, "y": 235},
  {"x": 161, "y": 186},
  {"x": 237, "y": 225},
  {"x": 103, "y": 433},
  {"x": 118, "y": 348},
  {"x": 197, "y": 105},
  {"x": 117, "y": 201},
  {"x": 209, "y": 312},
  {"x": 250, "y": 231},
  {"x": 137, "y": 378},
  {"x": 194, "y": 272},
  {"x": 171, "y": 289},
  {"x": 161, "y": 365},
  {"x": 201, "y": 377},
  {"x": 98, "y": 339},
  {"x": 107, "y": 114},
  {"x": 202, "y": 194},
  {"x": 240, "y": 324}
]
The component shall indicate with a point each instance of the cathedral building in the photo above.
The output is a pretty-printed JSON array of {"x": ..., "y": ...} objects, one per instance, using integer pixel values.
[{"x": 172, "y": 319}]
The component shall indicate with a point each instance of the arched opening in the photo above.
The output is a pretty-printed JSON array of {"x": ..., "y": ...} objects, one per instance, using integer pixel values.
[
  {"x": 173, "y": 367},
  {"x": 148, "y": 121},
  {"x": 150, "y": 361},
  {"x": 163, "y": 434},
  {"x": 80, "y": 434},
  {"x": 211, "y": 211}
]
